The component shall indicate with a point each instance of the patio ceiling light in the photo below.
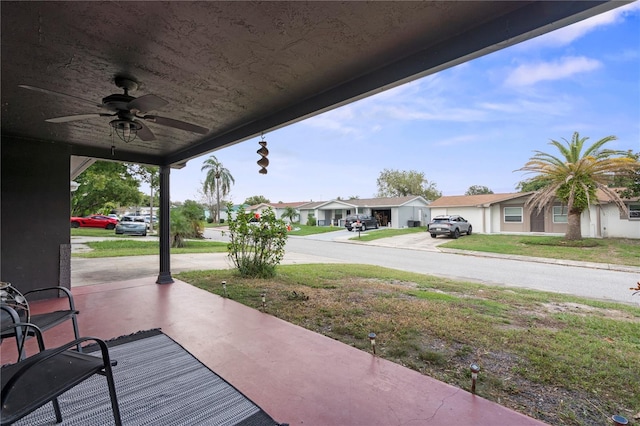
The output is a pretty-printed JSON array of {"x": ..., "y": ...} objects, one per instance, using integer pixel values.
[{"x": 127, "y": 130}]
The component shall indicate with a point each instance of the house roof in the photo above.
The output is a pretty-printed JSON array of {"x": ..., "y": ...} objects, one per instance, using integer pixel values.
[
  {"x": 485, "y": 200},
  {"x": 311, "y": 205},
  {"x": 238, "y": 69},
  {"x": 295, "y": 205},
  {"x": 367, "y": 202},
  {"x": 476, "y": 200},
  {"x": 605, "y": 199},
  {"x": 386, "y": 201}
]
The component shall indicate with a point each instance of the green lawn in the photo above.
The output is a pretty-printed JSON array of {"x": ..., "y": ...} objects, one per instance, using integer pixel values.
[
  {"x": 621, "y": 251},
  {"x": 386, "y": 233},
  {"x": 128, "y": 247},
  {"x": 95, "y": 232}
]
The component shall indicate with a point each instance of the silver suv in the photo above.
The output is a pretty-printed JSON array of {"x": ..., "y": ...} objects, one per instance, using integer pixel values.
[{"x": 452, "y": 226}]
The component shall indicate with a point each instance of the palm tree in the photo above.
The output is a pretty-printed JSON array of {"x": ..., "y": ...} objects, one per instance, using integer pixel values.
[
  {"x": 290, "y": 213},
  {"x": 218, "y": 179},
  {"x": 574, "y": 177}
]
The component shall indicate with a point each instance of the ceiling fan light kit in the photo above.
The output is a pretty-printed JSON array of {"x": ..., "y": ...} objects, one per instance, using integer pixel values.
[
  {"x": 127, "y": 130},
  {"x": 130, "y": 112}
]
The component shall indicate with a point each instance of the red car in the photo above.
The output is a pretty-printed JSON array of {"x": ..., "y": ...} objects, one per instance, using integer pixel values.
[{"x": 94, "y": 221}]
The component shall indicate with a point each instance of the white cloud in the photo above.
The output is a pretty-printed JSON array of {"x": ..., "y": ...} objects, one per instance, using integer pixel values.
[
  {"x": 566, "y": 35},
  {"x": 529, "y": 74}
]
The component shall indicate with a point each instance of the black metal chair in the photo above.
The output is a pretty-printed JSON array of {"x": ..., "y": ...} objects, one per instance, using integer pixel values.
[
  {"x": 39, "y": 379},
  {"x": 43, "y": 321}
]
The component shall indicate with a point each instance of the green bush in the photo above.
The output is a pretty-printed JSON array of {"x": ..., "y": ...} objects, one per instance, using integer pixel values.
[
  {"x": 256, "y": 248},
  {"x": 311, "y": 220},
  {"x": 186, "y": 222}
]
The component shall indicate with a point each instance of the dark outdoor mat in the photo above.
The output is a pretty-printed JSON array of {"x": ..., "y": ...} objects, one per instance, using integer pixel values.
[{"x": 158, "y": 383}]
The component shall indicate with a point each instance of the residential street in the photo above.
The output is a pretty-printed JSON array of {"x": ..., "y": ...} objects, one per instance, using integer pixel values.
[{"x": 414, "y": 252}]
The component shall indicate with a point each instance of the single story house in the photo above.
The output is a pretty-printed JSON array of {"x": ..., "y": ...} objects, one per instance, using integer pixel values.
[
  {"x": 507, "y": 213},
  {"x": 278, "y": 208},
  {"x": 395, "y": 212}
]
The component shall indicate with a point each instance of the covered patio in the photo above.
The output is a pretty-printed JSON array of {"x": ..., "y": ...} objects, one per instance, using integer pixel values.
[
  {"x": 297, "y": 376},
  {"x": 222, "y": 73}
]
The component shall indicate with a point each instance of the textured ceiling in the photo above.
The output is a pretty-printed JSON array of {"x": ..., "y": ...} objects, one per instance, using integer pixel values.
[{"x": 236, "y": 68}]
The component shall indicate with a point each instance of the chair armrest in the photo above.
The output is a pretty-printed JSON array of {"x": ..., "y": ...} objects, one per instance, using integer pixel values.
[
  {"x": 64, "y": 290},
  {"x": 31, "y": 361},
  {"x": 25, "y": 325}
]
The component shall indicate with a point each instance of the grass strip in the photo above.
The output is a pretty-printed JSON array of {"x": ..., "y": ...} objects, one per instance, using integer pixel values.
[
  {"x": 621, "y": 251},
  {"x": 127, "y": 247}
]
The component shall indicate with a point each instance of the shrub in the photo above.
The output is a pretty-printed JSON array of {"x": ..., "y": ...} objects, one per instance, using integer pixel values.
[
  {"x": 256, "y": 248},
  {"x": 186, "y": 222},
  {"x": 311, "y": 220}
]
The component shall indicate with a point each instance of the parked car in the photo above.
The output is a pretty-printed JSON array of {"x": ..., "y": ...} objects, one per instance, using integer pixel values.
[
  {"x": 147, "y": 218},
  {"x": 113, "y": 215},
  {"x": 94, "y": 221},
  {"x": 360, "y": 222},
  {"x": 132, "y": 225},
  {"x": 451, "y": 226},
  {"x": 135, "y": 218}
]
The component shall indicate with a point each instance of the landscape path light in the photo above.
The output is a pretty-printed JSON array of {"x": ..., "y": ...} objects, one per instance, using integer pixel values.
[
  {"x": 224, "y": 288},
  {"x": 475, "y": 369},
  {"x": 264, "y": 300},
  {"x": 372, "y": 338},
  {"x": 619, "y": 420}
]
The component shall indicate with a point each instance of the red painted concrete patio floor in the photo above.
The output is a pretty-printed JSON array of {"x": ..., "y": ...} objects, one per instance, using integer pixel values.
[{"x": 297, "y": 376}]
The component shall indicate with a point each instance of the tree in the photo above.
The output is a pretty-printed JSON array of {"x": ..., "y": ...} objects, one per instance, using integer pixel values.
[
  {"x": 478, "y": 190},
  {"x": 628, "y": 184},
  {"x": 256, "y": 199},
  {"x": 105, "y": 185},
  {"x": 531, "y": 185},
  {"x": 256, "y": 248},
  {"x": 218, "y": 181},
  {"x": 574, "y": 177},
  {"x": 151, "y": 176},
  {"x": 290, "y": 213},
  {"x": 396, "y": 183}
]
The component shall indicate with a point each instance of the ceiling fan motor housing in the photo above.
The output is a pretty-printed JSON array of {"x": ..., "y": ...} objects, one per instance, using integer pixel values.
[{"x": 117, "y": 102}]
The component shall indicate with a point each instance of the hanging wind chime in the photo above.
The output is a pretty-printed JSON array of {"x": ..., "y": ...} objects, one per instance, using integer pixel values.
[{"x": 263, "y": 152}]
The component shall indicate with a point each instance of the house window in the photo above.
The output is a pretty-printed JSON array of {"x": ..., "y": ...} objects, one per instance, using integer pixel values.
[
  {"x": 634, "y": 211},
  {"x": 513, "y": 214},
  {"x": 560, "y": 214}
]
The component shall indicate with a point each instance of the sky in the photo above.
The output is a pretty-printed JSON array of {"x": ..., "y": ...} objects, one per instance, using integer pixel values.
[{"x": 473, "y": 124}]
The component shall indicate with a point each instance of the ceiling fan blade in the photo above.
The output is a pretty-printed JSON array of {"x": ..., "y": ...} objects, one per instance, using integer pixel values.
[
  {"x": 51, "y": 92},
  {"x": 70, "y": 118},
  {"x": 176, "y": 124},
  {"x": 145, "y": 133},
  {"x": 147, "y": 103}
]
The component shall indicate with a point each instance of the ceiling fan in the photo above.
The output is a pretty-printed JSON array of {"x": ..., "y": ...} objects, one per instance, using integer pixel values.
[{"x": 130, "y": 113}]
